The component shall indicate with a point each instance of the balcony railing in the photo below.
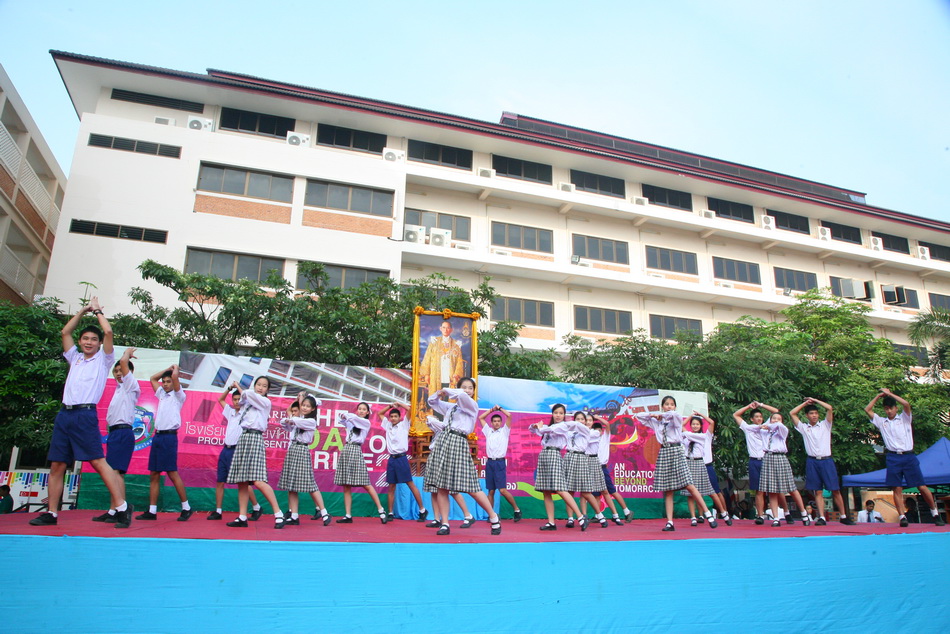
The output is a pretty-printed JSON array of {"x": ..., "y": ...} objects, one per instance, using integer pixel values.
[
  {"x": 15, "y": 273},
  {"x": 31, "y": 184}
]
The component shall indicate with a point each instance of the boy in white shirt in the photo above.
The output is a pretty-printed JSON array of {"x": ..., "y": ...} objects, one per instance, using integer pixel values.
[
  {"x": 496, "y": 433},
  {"x": 398, "y": 470},
  {"x": 121, "y": 441}
]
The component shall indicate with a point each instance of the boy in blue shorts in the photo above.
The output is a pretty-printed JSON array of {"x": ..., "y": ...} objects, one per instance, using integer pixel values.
[
  {"x": 756, "y": 451},
  {"x": 121, "y": 441},
  {"x": 496, "y": 433},
  {"x": 903, "y": 467},
  {"x": 398, "y": 470},
  {"x": 820, "y": 470},
  {"x": 76, "y": 428},
  {"x": 232, "y": 434}
]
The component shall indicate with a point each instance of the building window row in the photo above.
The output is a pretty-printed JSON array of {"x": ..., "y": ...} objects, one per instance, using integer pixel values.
[
  {"x": 256, "y": 123},
  {"x": 242, "y": 182},
  {"x": 526, "y": 311},
  {"x": 460, "y": 226},
  {"x": 231, "y": 266},
  {"x": 124, "y": 232},
  {"x": 134, "y": 145},
  {"x": 521, "y": 237},
  {"x": 364, "y": 200},
  {"x": 342, "y": 277}
]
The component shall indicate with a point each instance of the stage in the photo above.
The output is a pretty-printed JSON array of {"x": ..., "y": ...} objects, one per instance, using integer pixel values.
[{"x": 168, "y": 576}]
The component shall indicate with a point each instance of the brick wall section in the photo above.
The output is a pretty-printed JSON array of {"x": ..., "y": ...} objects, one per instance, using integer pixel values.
[
  {"x": 612, "y": 267},
  {"x": 6, "y": 182},
  {"x": 10, "y": 295},
  {"x": 50, "y": 238},
  {"x": 343, "y": 222},
  {"x": 29, "y": 214},
  {"x": 537, "y": 333},
  {"x": 533, "y": 256},
  {"x": 250, "y": 209}
]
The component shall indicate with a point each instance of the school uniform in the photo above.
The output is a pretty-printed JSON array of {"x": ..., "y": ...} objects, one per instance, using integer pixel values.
[
  {"x": 549, "y": 476},
  {"x": 163, "y": 455},
  {"x": 576, "y": 465},
  {"x": 693, "y": 445},
  {"x": 398, "y": 470},
  {"x": 496, "y": 450},
  {"x": 603, "y": 454},
  {"x": 903, "y": 467},
  {"x": 250, "y": 458},
  {"x": 708, "y": 461},
  {"x": 450, "y": 465},
  {"x": 297, "y": 474},
  {"x": 753, "y": 443},
  {"x": 670, "y": 472},
  {"x": 76, "y": 427},
  {"x": 595, "y": 473},
  {"x": 232, "y": 434},
  {"x": 121, "y": 441},
  {"x": 776, "y": 471},
  {"x": 351, "y": 467},
  {"x": 820, "y": 469},
  {"x": 869, "y": 517}
]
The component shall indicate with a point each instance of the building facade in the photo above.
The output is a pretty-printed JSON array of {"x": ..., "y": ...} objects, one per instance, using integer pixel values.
[
  {"x": 580, "y": 232},
  {"x": 32, "y": 188}
]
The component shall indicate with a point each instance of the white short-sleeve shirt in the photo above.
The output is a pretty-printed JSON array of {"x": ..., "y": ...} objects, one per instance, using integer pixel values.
[{"x": 122, "y": 407}]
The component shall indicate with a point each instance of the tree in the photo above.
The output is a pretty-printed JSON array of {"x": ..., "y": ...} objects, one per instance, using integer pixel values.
[
  {"x": 498, "y": 356},
  {"x": 933, "y": 327}
]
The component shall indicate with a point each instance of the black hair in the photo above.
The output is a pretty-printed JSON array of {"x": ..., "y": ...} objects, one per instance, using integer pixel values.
[
  {"x": 392, "y": 410},
  {"x": 262, "y": 377},
  {"x": 463, "y": 379},
  {"x": 811, "y": 407},
  {"x": 889, "y": 401},
  {"x": 597, "y": 425},
  {"x": 580, "y": 411},
  {"x": 554, "y": 407},
  {"x": 93, "y": 329},
  {"x": 5, "y": 487},
  {"x": 167, "y": 374},
  {"x": 871, "y": 502},
  {"x": 699, "y": 418},
  {"x": 131, "y": 367},
  {"x": 313, "y": 402},
  {"x": 754, "y": 411},
  {"x": 668, "y": 398},
  {"x": 368, "y": 408},
  {"x": 495, "y": 415}
]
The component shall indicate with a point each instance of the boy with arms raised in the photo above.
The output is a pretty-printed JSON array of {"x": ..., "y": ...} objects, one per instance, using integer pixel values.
[{"x": 820, "y": 470}]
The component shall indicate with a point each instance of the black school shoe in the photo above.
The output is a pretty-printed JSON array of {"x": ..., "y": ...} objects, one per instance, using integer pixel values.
[
  {"x": 237, "y": 523},
  {"x": 904, "y": 522},
  {"x": 939, "y": 521},
  {"x": 549, "y": 527},
  {"x": 517, "y": 516},
  {"x": 184, "y": 515},
  {"x": 105, "y": 517},
  {"x": 467, "y": 523},
  {"x": 847, "y": 521},
  {"x": 669, "y": 527},
  {"x": 46, "y": 519},
  {"x": 434, "y": 524},
  {"x": 214, "y": 515},
  {"x": 291, "y": 522},
  {"x": 123, "y": 519},
  {"x": 255, "y": 515},
  {"x": 147, "y": 515}
]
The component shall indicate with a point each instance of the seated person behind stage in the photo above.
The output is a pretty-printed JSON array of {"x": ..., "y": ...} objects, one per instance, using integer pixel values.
[{"x": 869, "y": 515}]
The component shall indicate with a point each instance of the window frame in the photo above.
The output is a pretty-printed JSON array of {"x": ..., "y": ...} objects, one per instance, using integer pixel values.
[
  {"x": 415, "y": 146},
  {"x": 654, "y": 189},
  {"x": 508, "y": 160},
  {"x": 381, "y": 139},
  {"x": 600, "y": 248},
  {"x": 731, "y": 210},
  {"x": 236, "y": 255},
  {"x": 601, "y": 184},
  {"x": 671, "y": 255},
  {"x": 890, "y": 242},
  {"x": 279, "y": 123},
  {"x": 808, "y": 279},
  {"x": 540, "y": 307},
  {"x": 508, "y": 237},
  {"x": 602, "y": 312},
  {"x": 247, "y": 182},
  {"x": 724, "y": 269},
  {"x": 373, "y": 191},
  {"x": 343, "y": 270},
  {"x": 455, "y": 220},
  {"x": 782, "y": 219},
  {"x": 842, "y": 231},
  {"x": 663, "y": 321}
]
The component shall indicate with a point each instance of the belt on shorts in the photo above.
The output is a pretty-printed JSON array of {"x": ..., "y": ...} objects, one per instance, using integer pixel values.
[
  {"x": 670, "y": 444},
  {"x": 230, "y": 446},
  {"x": 822, "y": 458},
  {"x": 80, "y": 406},
  {"x": 495, "y": 459},
  {"x": 776, "y": 453},
  {"x": 167, "y": 431},
  {"x": 756, "y": 459},
  {"x": 456, "y": 432},
  {"x": 253, "y": 431},
  {"x": 393, "y": 456},
  {"x": 583, "y": 453},
  {"x": 694, "y": 458},
  {"x": 120, "y": 426},
  {"x": 898, "y": 453}
]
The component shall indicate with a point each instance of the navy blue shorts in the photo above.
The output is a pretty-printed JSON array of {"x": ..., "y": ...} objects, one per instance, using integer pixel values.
[
  {"x": 224, "y": 463},
  {"x": 609, "y": 479},
  {"x": 496, "y": 475},
  {"x": 713, "y": 478},
  {"x": 755, "y": 472},
  {"x": 75, "y": 436},
  {"x": 164, "y": 453},
  {"x": 903, "y": 470},
  {"x": 119, "y": 448},
  {"x": 821, "y": 474},
  {"x": 398, "y": 471}
]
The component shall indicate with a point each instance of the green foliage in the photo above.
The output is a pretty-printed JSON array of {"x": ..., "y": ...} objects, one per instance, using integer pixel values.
[{"x": 498, "y": 356}]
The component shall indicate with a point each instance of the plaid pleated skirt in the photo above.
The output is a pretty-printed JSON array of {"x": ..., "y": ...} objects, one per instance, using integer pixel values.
[
  {"x": 350, "y": 467},
  {"x": 596, "y": 473},
  {"x": 697, "y": 471},
  {"x": 550, "y": 473},
  {"x": 671, "y": 472},
  {"x": 249, "y": 463},
  {"x": 298, "y": 470},
  {"x": 577, "y": 473},
  {"x": 450, "y": 465},
  {"x": 776, "y": 474}
]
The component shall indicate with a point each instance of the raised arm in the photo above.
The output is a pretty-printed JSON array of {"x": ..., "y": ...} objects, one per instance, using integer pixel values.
[
  {"x": 156, "y": 379},
  {"x": 769, "y": 408},
  {"x": 104, "y": 325},
  {"x": 897, "y": 398},
  {"x": 507, "y": 416},
  {"x": 223, "y": 397},
  {"x": 829, "y": 411},
  {"x": 176, "y": 386},
  {"x": 737, "y": 415},
  {"x": 710, "y": 423},
  {"x": 127, "y": 356},
  {"x": 70, "y": 327},
  {"x": 869, "y": 408}
]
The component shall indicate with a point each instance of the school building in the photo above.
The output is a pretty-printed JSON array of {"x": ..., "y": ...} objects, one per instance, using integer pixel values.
[{"x": 580, "y": 231}]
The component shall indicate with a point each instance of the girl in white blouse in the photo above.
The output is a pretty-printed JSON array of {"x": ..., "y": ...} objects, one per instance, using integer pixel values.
[{"x": 351, "y": 467}]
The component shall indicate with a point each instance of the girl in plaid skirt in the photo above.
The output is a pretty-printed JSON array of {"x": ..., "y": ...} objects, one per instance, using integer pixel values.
[
  {"x": 297, "y": 474},
  {"x": 581, "y": 476},
  {"x": 351, "y": 467},
  {"x": 450, "y": 467},
  {"x": 697, "y": 435},
  {"x": 670, "y": 472},
  {"x": 777, "y": 478},
  {"x": 549, "y": 476}
]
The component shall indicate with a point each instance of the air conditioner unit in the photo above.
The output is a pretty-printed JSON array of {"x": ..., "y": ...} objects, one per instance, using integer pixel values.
[
  {"x": 566, "y": 187},
  {"x": 393, "y": 155},
  {"x": 485, "y": 172},
  {"x": 923, "y": 253},
  {"x": 877, "y": 244},
  {"x": 824, "y": 233},
  {"x": 200, "y": 123},
  {"x": 501, "y": 252},
  {"x": 640, "y": 200},
  {"x": 708, "y": 213},
  {"x": 440, "y": 237},
  {"x": 164, "y": 121},
  {"x": 295, "y": 138},
  {"x": 414, "y": 233},
  {"x": 768, "y": 222}
]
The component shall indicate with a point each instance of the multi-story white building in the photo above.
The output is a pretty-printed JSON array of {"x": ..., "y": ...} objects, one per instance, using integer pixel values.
[
  {"x": 32, "y": 187},
  {"x": 580, "y": 231}
]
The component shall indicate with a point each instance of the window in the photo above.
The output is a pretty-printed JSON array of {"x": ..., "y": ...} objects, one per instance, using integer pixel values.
[
  {"x": 918, "y": 353},
  {"x": 852, "y": 289},
  {"x": 155, "y": 100},
  {"x": 736, "y": 270},
  {"x": 899, "y": 296},
  {"x": 795, "y": 280},
  {"x": 125, "y": 232},
  {"x": 664, "y": 327},
  {"x": 601, "y": 249},
  {"x": 937, "y": 251},
  {"x": 606, "y": 320},
  {"x": 790, "y": 222},
  {"x": 731, "y": 210},
  {"x": 231, "y": 266},
  {"x": 352, "y": 139},
  {"x": 256, "y": 123},
  {"x": 233, "y": 180},
  {"x": 524, "y": 311},
  {"x": 342, "y": 277},
  {"x": 597, "y": 184},
  {"x": 668, "y": 197},
  {"x": 460, "y": 226},
  {"x": 670, "y": 260},
  {"x": 440, "y": 154},
  {"x": 844, "y": 233},
  {"x": 132, "y": 145},
  {"x": 362, "y": 200},
  {"x": 892, "y": 243},
  {"x": 519, "y": 237},
  {"x": 940, "y": 301},
  {"x": 524, "y": 170}
]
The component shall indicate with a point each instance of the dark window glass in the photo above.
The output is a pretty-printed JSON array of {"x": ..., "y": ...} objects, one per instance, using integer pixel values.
[
  {"x": 795, "y": 280},
  {"x": 937, "y": 251},
  {"x": 524, "y": 170},
  {"x": 230, "y": 266},
  {"x": 892, "y": 243},
  {"x": 668, "y": 197},
  {"x": 736, "y": 270},
  {"x": 133, "y": 145},
  {"x": 156, "y": 100},
  {"x": 731, "y": 210},
  {"x": 598, "y": 184},
  {"x": 525, "y": 311},
  {"x": 899, "y": 296},
  {"x": 918, "y": 353},
  {"x": 518, "y": 237},
  {"x": 230, "y": 180},
  {"x": 670, "y": 260},
  {"x": 790, "y": 222},
  {"x": 600, "y": 249},
  {"x": 256, "y": 122},
  {"x": 602, "y": 320},
  {"x": 665, "y": 327},
  {"x": 352, "y": 139},
  {"x": 440, "y": 154},
  {"x": 844, "y": 233},
  {"x": 125, "y": 232},
  {"x": 852, "y": 289},
  {"x": 940, "y": 301},
  {"x": 349, "y": 198},
  {"x": 343, "y": 277}
]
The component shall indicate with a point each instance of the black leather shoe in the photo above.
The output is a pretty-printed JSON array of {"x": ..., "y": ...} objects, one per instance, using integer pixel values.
[
  {"x": 183, "y": 517},
  {"x": 255, "y": 515},
  {"x": 669, "y": 527},
  {"x": 105, "y": 517},
  {"x": 549, "y": 527},
  {"x": 46, "y": 519},
  {"x": 292, "y": 522},
  {"x": 517, "y": 516},
  {"x": 238, "y": 523},
  {"x": 214, "y": 515},
  {"x": 147, "y": 515},
  {"x": 443, "y": 530},
  {"x": 467, "y": 523},
  {"x": 346, "y": 519}
]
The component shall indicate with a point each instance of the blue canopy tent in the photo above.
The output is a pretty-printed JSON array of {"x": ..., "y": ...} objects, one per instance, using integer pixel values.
[{"x": 934, "y": 463}]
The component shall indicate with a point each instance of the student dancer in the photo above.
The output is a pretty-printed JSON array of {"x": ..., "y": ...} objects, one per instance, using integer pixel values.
[
  {"x": 549, "y": 476},
  {"x": 163, "y": 455},
  {"x": 820, "y": 470},
  {"x": 577, "y": 467},
  {"x": 777, "y": 478},
  {"x": 121, "y": 441},
  {"x": 603, "y": 454},
  {"x": 497, "y": 433},
  {"x": 232, "y": 433},
  {"x": 449, "y": 467},
  {"x": 398, "y": 470},
  {"x": 437, "y": 426},
  {"x": 249, "y": 466},
  {"x": 903, "y": 466},
  {"x": 297, "y": 474},
  {"x": 670, "y": 472},
  {"x": 76, "y": 428},
  {"x": 716, "y": 495},
  {"x": 351, "y": 467},
  {"x": 753, "y": 443}
]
